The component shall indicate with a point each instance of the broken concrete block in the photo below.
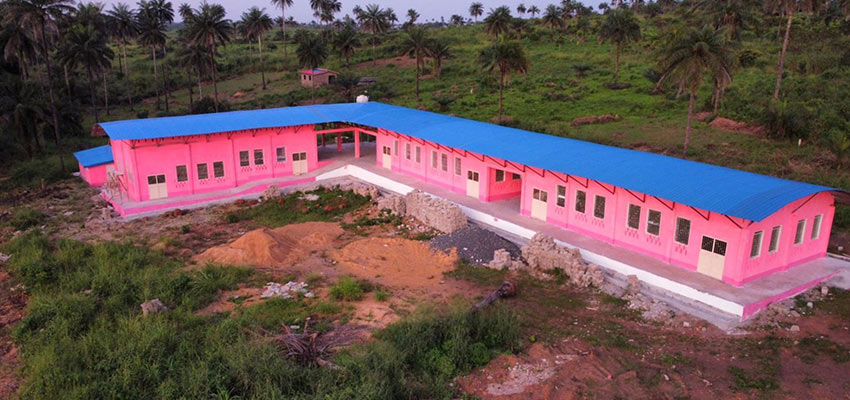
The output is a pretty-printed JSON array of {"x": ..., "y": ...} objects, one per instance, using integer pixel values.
[
  {"x": 154, "y": 306},
  {"x": 543, "y": 254},
  {"x": 394, "y": 203},
  {"x": 270, "y": 193},
  {"x": 437, "y": 213},
  {"x": 501, "y": 259}
]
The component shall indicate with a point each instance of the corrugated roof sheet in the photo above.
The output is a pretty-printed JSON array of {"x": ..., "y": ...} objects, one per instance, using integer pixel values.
[
  {"x": 723, "y": 190},
  {"x": 95, "y": 156}
]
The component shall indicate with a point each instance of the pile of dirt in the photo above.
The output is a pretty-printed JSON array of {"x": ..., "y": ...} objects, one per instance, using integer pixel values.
[
  {"x": 395, "y": 262},
  {"x": 274, "y": 247},
  {"x": 728, "y": 125}
]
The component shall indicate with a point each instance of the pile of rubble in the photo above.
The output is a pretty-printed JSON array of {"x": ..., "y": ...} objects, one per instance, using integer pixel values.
[
  {"x": 435, "y": 212},
  {"x": 287, "y": 291},
  {"x": 542, "y": 254},
  {"x": 651, "y": 309}
]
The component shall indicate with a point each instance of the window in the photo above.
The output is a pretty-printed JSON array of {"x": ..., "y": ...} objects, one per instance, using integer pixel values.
[
  {"x": 801, "y": 231},
  {"x": 515, "y": 176},
  {"x": 458, "y": 168},
  {"x": 386, "y": 150},
  {"x": 472, "y": 175},
  {"x": 581, "y": 197},
  {"x": 755, "y": 251},
  {"x": 203, "y": 172},
  {"x": 561, "y": 201},
  {"x": 182, "y": 173},
  {"x": 418, "y": 155},
  {"x": 395, "y": 147},
  {"x": 407, "y": 151},
  {"x": 244, "y": 161},
  {"x": 714, "y": 245},
  {"x": 152, "y": 180},
  {"x": 633, "y": 220},
  {"x": 433, "y": 159},
  {"x": 500, "y": 175},
  {"x": 774, "y": 239},
  {"x": 258, "y": 157},
  {"x": 540, "y": 195},
  {"x": 218, "y": 169},
  {"x": 444, "y": 162},
  {"x": 302, "y": 156},
  {"x": 683, "y": 230},
  {"x": 816, "y": 226},
  {"x": 599, "y": 206},
  {"x": 281, "y": 154},
  {"x": 653, "y": 222}
]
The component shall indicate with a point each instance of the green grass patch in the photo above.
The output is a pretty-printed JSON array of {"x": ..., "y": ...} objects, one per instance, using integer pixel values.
[
  {"x": 811, "y": 347},
  {"x": 348, "y": 289},
  {"x": 295, "y": 207},
  {"x": 479, "y": 275},
  {"x": 25, "y": 217}
]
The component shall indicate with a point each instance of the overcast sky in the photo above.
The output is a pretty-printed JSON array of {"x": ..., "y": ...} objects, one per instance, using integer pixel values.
[{"x": 429, "y": 9}]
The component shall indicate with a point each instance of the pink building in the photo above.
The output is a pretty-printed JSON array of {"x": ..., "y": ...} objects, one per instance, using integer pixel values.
[
  {"x": 731, "y": 225},
  {"x": 95, "y": 164}
]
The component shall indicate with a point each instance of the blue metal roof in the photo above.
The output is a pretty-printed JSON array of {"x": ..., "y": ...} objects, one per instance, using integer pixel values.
[
  {"x": 95, "y": 156},
  {"x": 723, "y": 190}
]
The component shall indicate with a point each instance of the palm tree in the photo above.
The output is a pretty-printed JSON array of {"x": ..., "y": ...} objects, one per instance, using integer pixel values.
[
  {"x": 345, "y": 42},
  {"x": 195, "y": 60},
  {"x": 19, "y": 46},
  {"x": 121, "y": 23},
  {"x": 374, "y": 20},
  {"x": 620, "y": 26},
  {"x": 329, "y": 9},
  {"x": 412, "y": 16},
  {"x": 40, "y": 16},
  {"x": 255, "y": 23},
  {"x": 476, "y": 9},
  {"x": 533, "y": 10},
  {"x": 689, "y": 56},
  {"x": 151, "y": 34},
  {"x": 209, "y": 28},
  {"x": 498, "y": 22},
  {"x": 283, "y": 4},
  {"x": 346, "y": 84},
  {"x": 732, "y": 13},
  {"x": 506, "y": 56},
  {"x": 86, "y": 47},
  {"x": 456, "y": 20},
  {"x": 520, "y": 9},
  {"x": 22, "y": 112},
  {"x": 786, "y": 8},
  {"x": 552, "y": 17},
  {"x": 414, "y": 44},
  {"x": 438, "y": 50},
  {"x": 312, "y": 53}
]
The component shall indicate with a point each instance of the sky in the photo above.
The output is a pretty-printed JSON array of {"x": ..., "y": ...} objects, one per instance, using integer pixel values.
[{"x": 429, "y": 10}]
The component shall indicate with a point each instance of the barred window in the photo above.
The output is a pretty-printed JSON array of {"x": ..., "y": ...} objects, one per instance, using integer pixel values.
[
  {"x": 258, "y": 157},
  {"x": 755, "y": 250},
  {"x": 581, "y": 198},
  {"x": 633, "y": 220},
  {"x": 281, "y": 154},
  {"x": 683, "y": 230},
  {"x": 244, "y": 159},
  {"x": 182, "y": 173},
  {"x": 203, "y": 172},
  {"x": 218, "y": 169},
  {"x": 653, "y": 222},
  {"x": 561, "y": 201},
  {"x": 599, "y": 207}
]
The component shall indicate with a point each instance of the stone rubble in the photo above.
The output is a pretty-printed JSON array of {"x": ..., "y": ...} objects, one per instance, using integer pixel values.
[
  {"x": 437, "y": 213},
  {"x": 4, "y": 258},
  {"x": 154, "y": 306},
  {"x": 542, "y": 254},
  {"x": 651, "y": 309},
  {"x": 271, "y": 192},
  {"x": 286, "y": 291}
]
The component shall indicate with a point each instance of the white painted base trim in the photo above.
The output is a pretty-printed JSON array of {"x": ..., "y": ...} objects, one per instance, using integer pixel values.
[{"x": 591, "y": 257}]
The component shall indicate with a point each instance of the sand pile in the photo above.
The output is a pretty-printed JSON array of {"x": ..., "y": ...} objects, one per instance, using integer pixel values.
[
  {"x": 273, "y": 247},
  {"x": 395, "y": 262}
]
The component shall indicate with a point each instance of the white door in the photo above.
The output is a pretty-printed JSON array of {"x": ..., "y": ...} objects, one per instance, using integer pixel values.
[
  {"x": 712, "y": 257},
  {"x": 472, "y": 183},
  {"x": 539, "y": 204},
  {"x": 299, "y": 163},
  {"x": 387, "y": 158},
  {"x": 156, "y": 187}
]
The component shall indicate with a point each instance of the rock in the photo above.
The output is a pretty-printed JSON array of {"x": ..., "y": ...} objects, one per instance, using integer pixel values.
[
  {"x": 501, "y": 259},
  {"x": 543, "y": 254},
  {"x": 794, "y": 328},
  {"x": 271, "y": 192},
  {"x": 286, "y": 291},
  {"x": 824, "y": 290},
  {"x": 394, "y": 203},
  {"x": 68, "y": 213},
  {"x": 686, "y": 324},
  {"x": 4, "y": 258},
  {"x": 435, "y": 212},
  {"x": 810, "y": 305},
  {"x": 154, "y": 306}
]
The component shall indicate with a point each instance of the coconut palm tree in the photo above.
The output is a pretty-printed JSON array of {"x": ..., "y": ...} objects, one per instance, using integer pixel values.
[
  {"x": 375, "y": 21},
  {"x": 552, "y": 17},
  {"x": 151, "y": 34},
  {"x": 209, "y": 28},
  {"x": 476, "y": 10},
  {"x": 621, "y": 27},
  {"x": 346, "y": 84},
  {"x": 438, "y": 50},
  {"x": 689, "y": 56},
  {"x": 456, "y": 20},
  {"x": 86, "y": 47},
  {"x": 22, "y": 112},
  {"x": 414, "y": 44},
  {"x": 412, "y": 16},
  {"x": 121, "y": 24},
  {"x": 283, "y": 4},
  {"x": 158, "y": 14},
  {"x": 40, "y": 18},
  {"x": 521, "y": 9},
  {"x": 255, "y": 23},
  {"x": 498, "y": 22},
  {"x": 312, "y": 52},
  {"x": 345, "y": 42},
  {"x": 19, "y": 47},
  {"x": 787, "y": 9},
  {"x": 533, "y": 10},
  {"x": 734, "y": 14},
  {"x": 506, "y": 56},
  {"x": 194, "y": 60}
]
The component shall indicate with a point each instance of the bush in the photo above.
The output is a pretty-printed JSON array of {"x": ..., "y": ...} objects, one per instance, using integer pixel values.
[
  {"x": 206, "y": 105},
  {"x": 347, "y": 289},
  {"x": 25, "y": 218},
  {"x": 787, "y": 120}
]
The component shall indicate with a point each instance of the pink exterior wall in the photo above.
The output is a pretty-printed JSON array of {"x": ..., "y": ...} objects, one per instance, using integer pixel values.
[
  {"x": 95, "y": 176},
  {"x": 141, "y": 158}
]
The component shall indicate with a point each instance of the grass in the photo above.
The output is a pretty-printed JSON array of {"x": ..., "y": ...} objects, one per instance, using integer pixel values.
[
  {"x": 84, "y": 336},
  {"x": 346, "y": 288},
  {"x": 481, "y": 276},
  {"x": 26, "y": 217},
  {"x": 294, "y": 208}
]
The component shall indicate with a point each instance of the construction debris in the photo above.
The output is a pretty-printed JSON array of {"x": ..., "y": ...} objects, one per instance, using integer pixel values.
[
  {"x": 507, "y": 289},
  {"x": 154, "y": 306},
  {"x": 476, "y": 245},
  {"x": 437, "y": 213},
  {"x": 271, "y": 192},
  {"x": 542, "y": 254},
  {"x": 287, "y": 291}
]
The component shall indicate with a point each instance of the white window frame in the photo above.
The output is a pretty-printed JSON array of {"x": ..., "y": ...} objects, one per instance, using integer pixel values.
[
  {"x": 444, "y": 162},
  {"x": 604, "y": 205},
  {"x": 561, "y": 196},
  {"x": 185, "y": 171},
  {"x": 676, "y": 233},
  {"x": 458, "y": 166},
  {"x": 649, "y": 222},
  {"x": 775, "y": 238},
  {"x": 418, "y": 154},
  {"x": 756, "y": 245},
  {"x": 816, "y": 227},
  {"x": 244, "y": 158},
  {"x": 262, "y": 156},
  {"x": 280, "y": 154},
  {"x": 583, "y": 203},
  {"x": 498, "y": 177},
  {"x": 433, "y": 159},
  {"x": 800, "y": 234},
  {"x": 407, "y": 151},
  {"x": 223, "y": 173},
  {"x": 629, "y": 216}
]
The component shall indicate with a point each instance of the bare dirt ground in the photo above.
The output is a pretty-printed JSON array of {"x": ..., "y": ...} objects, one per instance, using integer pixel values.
[{"x": 13, "y": 300}]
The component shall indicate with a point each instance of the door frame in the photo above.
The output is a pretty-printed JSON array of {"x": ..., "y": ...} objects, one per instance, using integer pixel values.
[
  {"x": 473, "y": 179},
  {"x": 708, "y": 260}
]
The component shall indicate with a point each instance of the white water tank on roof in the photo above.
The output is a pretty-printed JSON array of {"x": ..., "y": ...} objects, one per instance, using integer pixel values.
[{"x": 362, "y": 98}]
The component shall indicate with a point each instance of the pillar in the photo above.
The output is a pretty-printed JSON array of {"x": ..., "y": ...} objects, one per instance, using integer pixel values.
[
  {"x": 323, "y": 140},
  {"x": 356, "y": 144},
  {"x": 339, "y": 142}
]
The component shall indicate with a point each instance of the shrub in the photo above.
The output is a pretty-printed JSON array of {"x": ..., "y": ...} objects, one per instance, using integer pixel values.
[
  {"x": 382, "y": 295},
  {"x": 347, "y": 289},
  {"x": 787, "y": 120},
  {"x": 25, "y": 218}
]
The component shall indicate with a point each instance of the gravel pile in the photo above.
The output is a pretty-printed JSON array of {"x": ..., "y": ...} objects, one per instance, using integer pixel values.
[
  {"x": 287, "y": 291},
  {"x": 474, "y": 244}
]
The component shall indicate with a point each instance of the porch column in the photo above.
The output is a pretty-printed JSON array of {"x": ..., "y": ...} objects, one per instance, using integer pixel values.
[
  {"x": 356, "y": 144},
  {"x": 323, "y": 140},
  {"x": 339, "y": 142}
]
